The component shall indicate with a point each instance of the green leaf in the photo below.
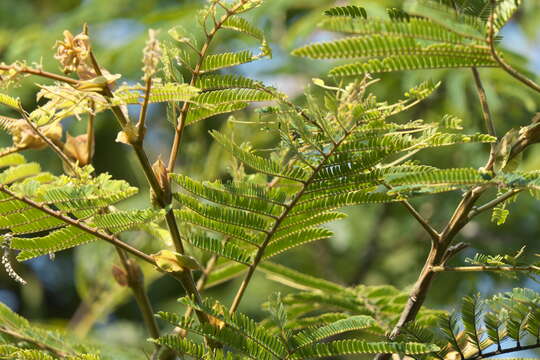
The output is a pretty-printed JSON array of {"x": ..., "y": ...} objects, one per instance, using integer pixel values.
[
  {"x": 225, "y": 60},
  {"x": 349, "y": 347},
  {"x": 10, "y": 101},
  {"x": 167, "y": 92},
  {"x": 310, "y": 336},
  {"x": 297, "y": 279},
  {"x": 217, "y": 194},
  {"x": 412, "y": 62},
  {"x": 221, "y": 248},
  {"x": 240, "y": 24},
  {"x": 351, "y": 11},
  {"x": 258, "y": 163}
]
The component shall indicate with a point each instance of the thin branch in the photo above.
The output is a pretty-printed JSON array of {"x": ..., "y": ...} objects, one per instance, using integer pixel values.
[
  {"x": 135, "y": 281},
  {"x": 486, "y": 114},
  {"x": 90, "y": 138},
  {"x": 41, "y": 73},
  {"x": 42, "y": 346},
  {"x": 503, "y": 351},
  {"x": 144, "y": 109},
  {"x": 48, "y": 141},
  {"x": 484, "y": 268},
  {"x": 493, "y": 203},
  {"x": 260, "y": 252},
  {"x": 196, "y": 73},
  {"x": 185, "y": 277},
  {"x": 507, "y": 67},
  {"x": 80, "y": 225},
  {"x": 434, "y": 235},
  {"x": 10, "y": 150}
]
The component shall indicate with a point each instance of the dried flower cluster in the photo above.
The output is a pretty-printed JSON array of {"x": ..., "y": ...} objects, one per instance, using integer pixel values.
[
  {"x": 73, "y": 52},
  {"x": 151, "y": 55}
]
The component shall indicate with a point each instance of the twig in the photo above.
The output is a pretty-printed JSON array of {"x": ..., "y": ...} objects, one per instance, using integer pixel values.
[
  {"x": 434, "y": 235},
  {"x": 41, "y": 73},
  {"x": 144, "y": 109},
  {"x": 185, "y": 277},
  {"x": 196, "y": 72},
  {"x": 484, "y": 268},
  {"x": 486, "y": 114},
  {"x": 10, "y": 150},
  {"x": 80, "y": 225},
  {"x": 493, "y": 203},
  {"x": 90, "y": 138},
  {"x": 507, "y": 67},
  {"x": 43, "y": 346},
  {"x": 48, "y": 141},
  {"x": 503, "y": 351}
]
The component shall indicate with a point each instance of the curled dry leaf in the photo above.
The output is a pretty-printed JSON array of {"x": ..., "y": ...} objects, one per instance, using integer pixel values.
[
  {"x": 170, "y": 261},
  {"x": 76, "y": 148},
  {"x": 24, "y": 137}
]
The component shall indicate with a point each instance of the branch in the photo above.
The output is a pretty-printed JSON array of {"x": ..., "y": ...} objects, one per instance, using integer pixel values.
[
  {"x": 435, "y": 236},
  {"x": 486, "y": 114},
  {"x": 10, "y": 150},
  {"x": 33, "y": 341},
  {"x": 135, "y": 281},
  {"x": 503, "y": 351},
  {"x": 48, "y": 141},
  {"x": 144, "y": 109},
  {"x": 484, "y": 268},
  {"x": 41, "y": 73},
  {"x": 90, "y": 138},
  {"x": 493, "y": 203},
  {"x": 507, "y": 67},
  {"x": 164, "y": 201},
  {"x": 196, "y": 73},
  {"x": 80, "y": 225}
]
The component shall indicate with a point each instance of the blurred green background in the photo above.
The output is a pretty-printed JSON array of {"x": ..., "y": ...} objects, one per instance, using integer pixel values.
[{"x": 375, "y": 245}]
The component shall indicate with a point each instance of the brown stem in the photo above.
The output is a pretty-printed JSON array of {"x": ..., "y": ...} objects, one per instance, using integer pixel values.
[
  {"x": 484, "y": 268},
  {"x": 80, "y": 225},
  {"x": 486, "y": 114},
  {"x": 164, "y": 201},
  {"x": 494, "y": 202},
  {"x": 135, "y": 281},
  {"x": 41, "y": 73},
  {"x": 439, "y": 252},
  {"x": 90, "y": 138},
  {"x": 144, "y": 109},
  {"x": 196, "y": 73},
  {"x": 506, "y": 67},
  {"x": 58, "y": 352},
  {"x": 10, "y": 150},
  {"x": 49, "y": 142}
]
